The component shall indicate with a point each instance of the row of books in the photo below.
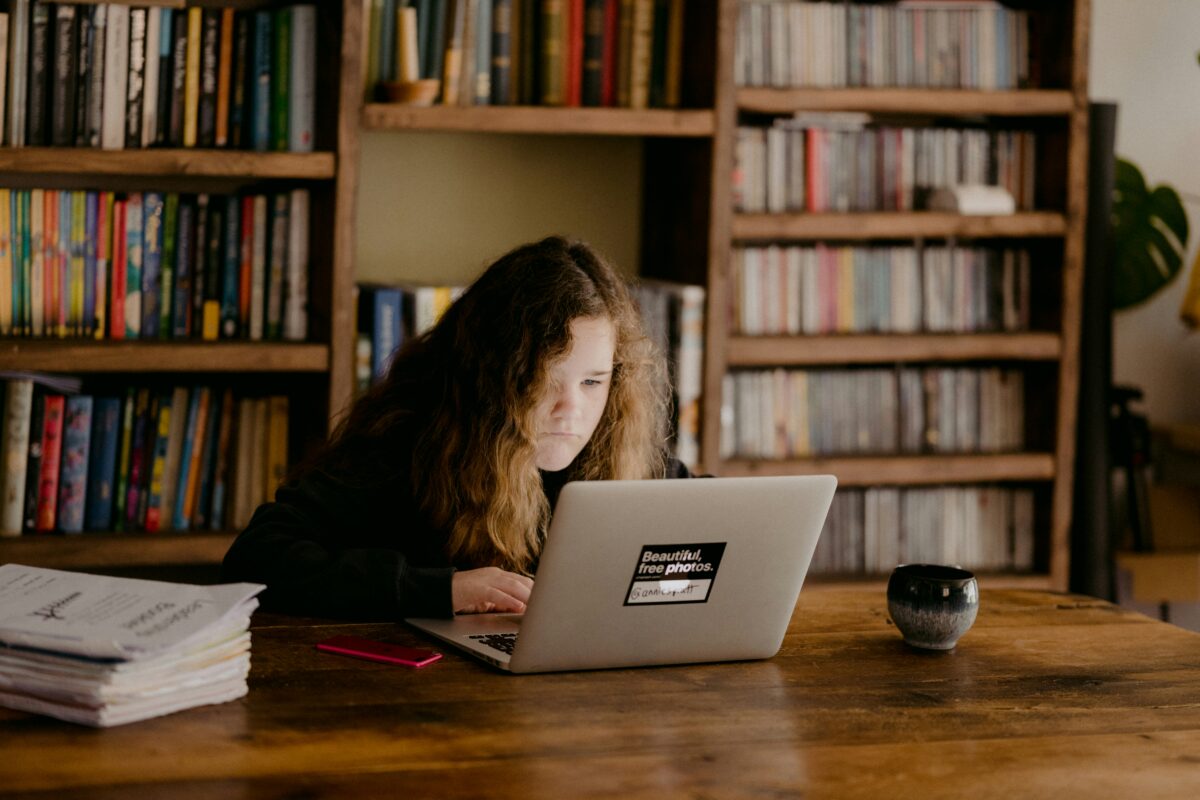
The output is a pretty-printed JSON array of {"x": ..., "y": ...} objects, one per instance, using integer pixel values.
[
  {"x": 980, "y": 527},
  {"x": 976, "y": 44},
  {"x": 819, "y": 163},
  {"x": 150, "y": 459},
  {"x": 625, "y": 53},
  {"x": 814, "y": 290},
  {"x": 388, "y": 315},
  {"x": 154, "y": 265},
  {"x": 114, "y": 76},
  {"x": 673, "y": 315},
  {"x": 801, "y": 413}
]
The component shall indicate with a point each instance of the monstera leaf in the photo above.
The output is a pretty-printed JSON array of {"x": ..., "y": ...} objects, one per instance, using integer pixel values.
[{"x": 1150, "y": 232}]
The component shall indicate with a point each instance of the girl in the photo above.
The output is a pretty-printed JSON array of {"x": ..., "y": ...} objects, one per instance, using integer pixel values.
[{"x": 434, "y": 495}]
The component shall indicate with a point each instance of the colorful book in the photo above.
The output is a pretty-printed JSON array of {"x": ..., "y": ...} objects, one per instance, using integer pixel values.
[
  {"x": 48, "y": 473},
  {"x": 136, "y": 83},
  {"x": 158, "y": 464},
  {"x": 245, "y": 264},
  {"x": 166, "y": 77},
  {"x": 189, "y": 464},
  {"x": 72, "y": 487},
  {"x": 90, "y": 260},
  {"x": 102, "y": 462},
  {"x": 199, "y": 254},
  {"x": 7, "y": 274},
  {"x": 231, "y": 265},
  {"x": 201, "y": 510},
  {"x": 134, "y": 253},
  {"x": 171, "y": 464},
  {"x": 36, "y": 250},
  {"x": 124, "y": 452},
  {"x": 152, "y": 257},
  {"x": 105, "y": 205},
  {"x": 166, "y": 283},
  {"x": 116, "y": 305}
]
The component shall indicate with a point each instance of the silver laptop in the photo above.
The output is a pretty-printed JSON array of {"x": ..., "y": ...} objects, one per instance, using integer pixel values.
[{"x": 636, "y": 573}]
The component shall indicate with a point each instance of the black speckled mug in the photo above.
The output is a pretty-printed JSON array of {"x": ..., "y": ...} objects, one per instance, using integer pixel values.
[{"x": 931, "y": 604}]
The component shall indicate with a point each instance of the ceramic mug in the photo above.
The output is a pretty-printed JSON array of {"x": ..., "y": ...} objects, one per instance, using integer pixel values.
[{"x": 932, "y": 605}]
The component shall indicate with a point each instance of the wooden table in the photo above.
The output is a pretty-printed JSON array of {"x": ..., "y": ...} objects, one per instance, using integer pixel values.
[{"x": 1048, "y": 696}]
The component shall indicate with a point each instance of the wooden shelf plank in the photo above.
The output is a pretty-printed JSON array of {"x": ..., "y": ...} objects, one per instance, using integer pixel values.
[
  {"x": 105, "y": 356},
  {"x": 948, "y": 102},
  {"x": 172, "y": 163},
  {"x": 987, "y": 580},
  {"x": 773, "y": 351},
  {"x": 56, "y": 551},
  {"x": 905, "y": 470},
  {"x": 896, "y": 225},
  {"x": 536, "y": 119}
]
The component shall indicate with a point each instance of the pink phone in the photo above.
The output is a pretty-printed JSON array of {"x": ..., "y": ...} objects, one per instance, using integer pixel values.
[{"x": 371, "y": 650}]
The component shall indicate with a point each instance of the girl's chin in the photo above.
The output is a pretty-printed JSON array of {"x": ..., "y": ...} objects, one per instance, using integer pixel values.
[{"x": 556, "y": 459}]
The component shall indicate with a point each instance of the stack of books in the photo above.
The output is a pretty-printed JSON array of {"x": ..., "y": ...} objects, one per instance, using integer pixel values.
[{"x": 105, "y": 651}]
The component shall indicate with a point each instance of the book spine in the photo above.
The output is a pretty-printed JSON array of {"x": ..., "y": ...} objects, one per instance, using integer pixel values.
[
  {"x": 260, "y": 104},
  {"x": 592, "y": 93},
  {"x": 609, "y": 56},
  {"x": 573, "y": 54},
  {"x": 104, "y": 227},
  {"x": 36, "y": 250},
  {"x": 33, "y": 461},
  {"x": 210, "y": 45},
  {"x": 296, "y": 308},
  {"x": 150, "y": 105},
  {"x": 14, "y": 449},
  {"x": 134, "y": 252},
  {"x": 202, "y": 502},
  {"x": 79, "y": 242},
  {"x": 642, "y": 56},
  {"x": 7, "y": 274},
  {"x": 231, "y": 268},
  {"x": 65, "y": 69},
  {"x": 170, "y": 478},
  {"x": 189, "y": 465},
  {"x": 625, "y": 20},
  {"x": 72, "y": 489},
  {"x": 658, "y": 54},
  {"x": 277, "y": 442},
  {"x": 502, "y": 52},
  {"x": 553, "y": 59},
  {"x": 452, "y": 57},
  {"x": 93, "y": 121},
  {"x": 116, "y": 306},
  {"x": 181, "y": 312},
  {"x": 481, "y": 79},
  {"x": 4, "y": 70},
  {"x": 116, "y": 78},
  {"x": 281, "y": 62},
  {"x": 302, "y": 80},
  {"x": 36, "y": 132},
  {"x": 258, "y": 268},
  {"x": 199, "y": 264},
  {"x": 278, "y": 267},
  {"x": 180, "y": 22},
  {"x": 191, "y": 77},
  {"x": 137, "y": 460},
  {"x": 152, "y": 257},
  {"x": 102, "y": 462},
  {"x": 158, "y": 461},
  {"x": 224, "y": 77},
  {"x": 18, "y": 73},
  {"x": 90, "y": 257},
  {"x": 135, "y": 86},
  {"x": 166, "y": 77},
  {"x": 214, "y": 265},
  {"x": 82, "y": 74},
  {"x": 166, "y": 283},
  {"x": 221, "y": 470},
  {"x": 240, "y": 87},
  {"x": 52, "y": 441},
  {"x": 124, "y": 453},
  {"x": 245, "y": 265}
]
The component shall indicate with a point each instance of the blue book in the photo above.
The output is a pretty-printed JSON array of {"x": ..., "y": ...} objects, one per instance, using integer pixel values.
[
  {"x": 73, "y": 474},
  {"x": 185, "y": 241},
  {"x": 17, "y": 222},
  {"x": 134, "y": 237},
  {"x": 89, "y": 263},
  {"x": 180, "y": 522},
  {"x": 381, "y": 317},
  {"x": 387, "y": 41},
  {"x": 260, "y": 95},
  {"x": 231, "y": 268},
  {"x": 152, "y": 248},
  {"x": 102, "y": 463}
]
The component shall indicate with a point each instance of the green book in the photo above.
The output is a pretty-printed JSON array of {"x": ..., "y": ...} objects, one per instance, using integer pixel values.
[
  {"x": 167, "y": 269},
  {"x": 280, "y": 79}
]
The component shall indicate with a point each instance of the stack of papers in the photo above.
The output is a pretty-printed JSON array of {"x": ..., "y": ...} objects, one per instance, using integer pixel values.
[{"x": 105, "y": 651}]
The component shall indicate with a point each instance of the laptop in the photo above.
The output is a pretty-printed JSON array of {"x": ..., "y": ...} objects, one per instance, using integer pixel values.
[{"x": 637, "y": 573}]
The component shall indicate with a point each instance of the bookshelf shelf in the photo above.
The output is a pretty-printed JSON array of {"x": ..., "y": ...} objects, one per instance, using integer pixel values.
[
  {"x": 955, "y": 102},
  {"x": 772, "y": 351},
  {"x": 532, "y": 119},
  {"x": 169, "y": 357},
  {"x": 905, "y": 470},
  {"x": 167, "y": 163},
  {"x": 88, "y": 550},
  {"x": 866, "y": 226}
]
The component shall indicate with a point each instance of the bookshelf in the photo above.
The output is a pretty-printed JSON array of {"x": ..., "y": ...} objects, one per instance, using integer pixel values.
[
  {"x": 1055, "y": 107},
  {"x": 314, "y": 374}
]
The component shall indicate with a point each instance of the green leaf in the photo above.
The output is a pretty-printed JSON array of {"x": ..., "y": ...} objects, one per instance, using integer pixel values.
[{"x": 1150, "y": 233}]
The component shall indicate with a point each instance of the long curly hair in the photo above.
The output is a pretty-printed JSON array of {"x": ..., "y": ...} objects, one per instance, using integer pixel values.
[{"x": 465, "y": 396}]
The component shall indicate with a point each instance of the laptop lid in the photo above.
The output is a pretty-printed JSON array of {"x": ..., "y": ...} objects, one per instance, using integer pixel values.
[{"x": 636, "y": 573}]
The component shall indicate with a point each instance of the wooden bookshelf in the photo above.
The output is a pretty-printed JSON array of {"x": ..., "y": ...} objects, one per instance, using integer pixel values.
[
  {"x": 316, "y": 374},
  {"x": 775, "y": 351},
  {"x": 539, "y": 120},
  {"x": 1055, "y": 108},
  {"x": 168, "y": 163}
]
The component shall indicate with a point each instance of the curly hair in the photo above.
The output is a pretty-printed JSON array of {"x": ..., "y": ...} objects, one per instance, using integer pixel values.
[{"x": 466, "y": 392}]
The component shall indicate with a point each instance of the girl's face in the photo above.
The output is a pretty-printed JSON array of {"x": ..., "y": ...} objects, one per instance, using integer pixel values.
[{"x": 576, "y": 393}]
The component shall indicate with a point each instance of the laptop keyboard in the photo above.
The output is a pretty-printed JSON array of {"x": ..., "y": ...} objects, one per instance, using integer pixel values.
[{"x": 504, "y": 642}]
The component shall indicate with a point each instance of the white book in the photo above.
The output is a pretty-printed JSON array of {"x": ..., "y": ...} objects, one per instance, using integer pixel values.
[
  {"x": 18, "y": 57},
  {"x": 295, "y": 323},
  {"x": 116, "y": 78},
  {"x": 14, "y": 447},
  {"x": 302, "y": 79},
  {"x": 150, "y": 81},
  {"x": 94, "y": 116}
]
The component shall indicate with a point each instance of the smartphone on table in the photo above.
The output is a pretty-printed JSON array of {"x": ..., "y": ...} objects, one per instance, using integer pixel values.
[{"x": 371, "y": 650}]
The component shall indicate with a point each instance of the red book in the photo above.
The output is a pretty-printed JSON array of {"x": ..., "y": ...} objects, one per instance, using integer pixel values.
[
  {"x": 574, "y": 59},
  {"x": 811, "y": 188},
  {"x": 116, "y": 307},
  {"x": 52, "y": 433},
  {"x": 246, "y": 267},
  {"x": 608, "y": 57}
]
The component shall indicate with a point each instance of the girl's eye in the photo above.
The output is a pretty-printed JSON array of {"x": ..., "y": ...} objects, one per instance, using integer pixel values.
[{"x": 592, "y": 382}]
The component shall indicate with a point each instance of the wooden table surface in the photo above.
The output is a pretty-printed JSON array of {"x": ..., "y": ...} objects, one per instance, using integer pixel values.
[{"x": 1047, "y": 696}]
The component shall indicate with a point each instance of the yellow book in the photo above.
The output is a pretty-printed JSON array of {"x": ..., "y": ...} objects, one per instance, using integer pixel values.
[
  {"x": 103, "y": 260},
  {"x": 845, "y": 290},
  {"x": 277, "y": 442},
  {"x": 210, "y": 328},
  {"x": 192, "y": 491},
  {"x": 191, "y": 78},
  {"x": 6, "y": 264},
  {"x": 443, "y": 296}
]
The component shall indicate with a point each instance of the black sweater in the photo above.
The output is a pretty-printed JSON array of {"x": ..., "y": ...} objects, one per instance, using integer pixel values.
[{"x": 330, "y": 548}]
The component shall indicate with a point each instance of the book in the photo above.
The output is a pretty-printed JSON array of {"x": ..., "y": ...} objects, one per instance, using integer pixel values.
[
  {"x": 552, "y": 52},
  {"x": 14, "y": 450},
  {"x": 180, "y": 22},
  {"x": 277, "y": 268},
  {"x": 102, "y": 462},
  {"x": 210, "y": 47},
  {"x": 72, "y": 489},
  {"x": 240, "y": 85},
  {"x": 295, "y": 323},
  {"x": 144, "y": 413},
  {"x": 134, "y": 253},
  {"x": 18, "y": 60},
  {"x": 261, "y": 76},
  {"x": 224, "y": 77},
  {"x": 93, "y": 122},
  {"x": 158, "y": 463},
  {"x": 8, "y": 277},
  {"x": 214, "y": 264},
  {"x": 40, "y": 72},
  {"x": 502, "y": 52},
  {"x": 82, "y": 74},
  {"x": 116, "y": 78},
  {"x": 152, "y": 257},
  {"x": 452, "y": 59},
  {"x": 64, "y": 56},
  {"x": 124, "y": 454},
  {"x": 222, "y": 470},
  {"x": 191, "y": 76},
  {"x": 480, "y": 90},
  {"x": 33, "y": 461},
  {"x": 100, "y": 663},
  {"x": 231, "y": 263},
  {"x": 258, "y": 268},
  {"x": 172, "y": 456},
  {"x": 281, "y": 88},
  {"x": 277, "y": 443},
  {"x": 166, "y": 281},
  {"x": 151, "y": 75},
  {"x": 136, "y": 82},
  {"x": 381, "y": 320},
  {"x": 202, "y": 504},
  {"x": 189, "y": 459},
  {"x": 199, "y": 263},
  {"x": 161, "y": 135},
  {"x": 301, "y": 105},
  {"x": 594, "y": 23},
  {"x": 185, "y": 242},
  {"x": 51, "y": 461}
]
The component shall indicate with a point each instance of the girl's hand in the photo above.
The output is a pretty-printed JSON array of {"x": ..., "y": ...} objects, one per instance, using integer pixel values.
[{"x": 478, "y": 591}]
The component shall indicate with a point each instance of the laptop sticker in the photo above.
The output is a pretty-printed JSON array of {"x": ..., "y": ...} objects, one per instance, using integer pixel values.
[{"x": 674, "y": 573}]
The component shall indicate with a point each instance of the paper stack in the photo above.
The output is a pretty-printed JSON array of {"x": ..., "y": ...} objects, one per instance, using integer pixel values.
[{"x": 105, "y": 651}]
